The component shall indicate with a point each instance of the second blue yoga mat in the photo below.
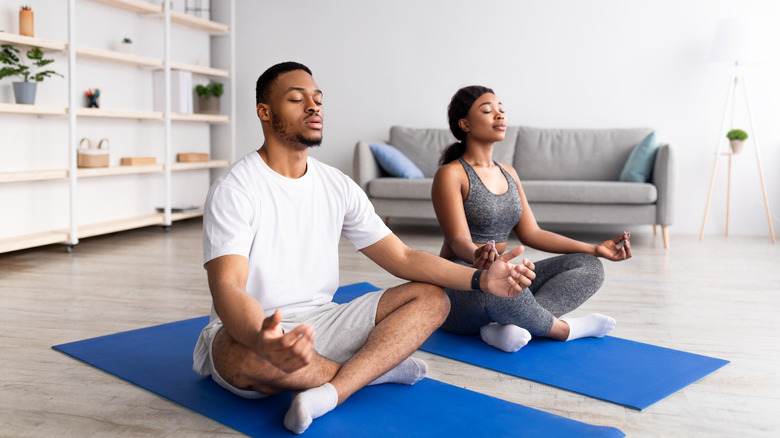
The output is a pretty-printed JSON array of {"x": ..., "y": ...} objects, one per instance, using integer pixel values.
[
  {"x": 159, "y": 359},
  {"x": 616, "y": 370}
]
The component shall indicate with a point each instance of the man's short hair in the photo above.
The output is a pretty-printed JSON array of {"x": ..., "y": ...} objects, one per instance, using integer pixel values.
[{"x": 266, "y": 81}]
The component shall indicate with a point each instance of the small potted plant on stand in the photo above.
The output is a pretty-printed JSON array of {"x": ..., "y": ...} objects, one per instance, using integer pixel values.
[
  {"x": 126, "y": 46},
  {"x": 13, "y": 65},
  {"x": 737, "y": 139},
  {"x": 208, "y": 97}
]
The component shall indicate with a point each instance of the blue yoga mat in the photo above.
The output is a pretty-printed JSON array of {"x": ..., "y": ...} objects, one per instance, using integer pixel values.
[
  {"x": 159, "y": 359},
  {"x": 616, "y": 370}
]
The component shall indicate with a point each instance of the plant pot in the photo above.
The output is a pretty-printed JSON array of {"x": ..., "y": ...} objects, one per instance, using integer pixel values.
[
  {"x": 26, "y": 26},
  {"x": 208, "y": 106},
  {"x": 736, "y": 146},
  {"x": 24, "y": 92},
  {"x": 126, "y": 48}
]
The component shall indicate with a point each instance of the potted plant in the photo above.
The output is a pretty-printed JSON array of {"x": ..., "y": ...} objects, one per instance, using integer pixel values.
[
  {"x": 14, "y": 65},
  {"x": 126, "y": 46},
  {"x": 737, "y": 139},
  {"x": 208, "y": 97}
]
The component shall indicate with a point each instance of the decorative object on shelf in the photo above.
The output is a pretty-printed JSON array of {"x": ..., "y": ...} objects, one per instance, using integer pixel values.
[
  {"x": 93, "y": 157},
  {"x": 737, "y": 42},
  {"x": 181, "y": 91},
  {"x": 126, "y": 45},
  {"x": 138, "y": 161},
  {"x": 26, "y": 22},
  {"x": 24, "y": 91},
  {"x": 737, "y": 139},
  {"x": 191, "y": 157},
  {"x": 196, "y": 8},
  {"x": 92, "y": 95},
  {"x": 208, "y": 97}
]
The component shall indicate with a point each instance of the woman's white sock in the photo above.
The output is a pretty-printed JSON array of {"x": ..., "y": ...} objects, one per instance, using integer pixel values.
[
  {"x": 509, "y": 338},
  {"x": 594, "y": 325}
]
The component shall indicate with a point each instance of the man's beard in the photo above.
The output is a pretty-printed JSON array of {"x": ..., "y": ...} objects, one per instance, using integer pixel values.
[{"x": 280, "y": 129}]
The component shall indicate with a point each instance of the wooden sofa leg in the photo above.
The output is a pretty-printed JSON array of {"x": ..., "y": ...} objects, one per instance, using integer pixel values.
[
  {"x": 655, "y": 230},
  {"x": 665, "y": 234}
]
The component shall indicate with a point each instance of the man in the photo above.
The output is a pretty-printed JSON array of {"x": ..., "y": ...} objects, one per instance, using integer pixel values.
[{"x": 271, "y": 229}]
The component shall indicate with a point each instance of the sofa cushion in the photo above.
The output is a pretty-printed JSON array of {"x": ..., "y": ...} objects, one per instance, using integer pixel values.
[
  {"x": 574, "y": 154},
  {"x": 394, "y": 162},
  {"x": 639, "y": 164},
  {"x": 424, "y": 146},
  {"x": 589, "y": 192},
  {"x": 398, "y": 188}
]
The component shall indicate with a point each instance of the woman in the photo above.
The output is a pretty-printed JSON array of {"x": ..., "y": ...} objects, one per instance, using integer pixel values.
[{"x": 478, "y": 202}]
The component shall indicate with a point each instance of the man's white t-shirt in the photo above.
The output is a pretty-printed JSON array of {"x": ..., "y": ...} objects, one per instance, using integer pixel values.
[{"x": 288, "y": 229}]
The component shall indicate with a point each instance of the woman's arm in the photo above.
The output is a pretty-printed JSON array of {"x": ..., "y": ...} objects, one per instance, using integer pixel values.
[
  {"x": 450, "y": 187},
  {"x": 529, "y": 233}
]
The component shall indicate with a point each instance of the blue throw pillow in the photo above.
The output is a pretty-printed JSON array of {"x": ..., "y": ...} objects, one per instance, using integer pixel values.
[
  {"x": 394, "y": 162},
  {"x": 639, "y": 165}
]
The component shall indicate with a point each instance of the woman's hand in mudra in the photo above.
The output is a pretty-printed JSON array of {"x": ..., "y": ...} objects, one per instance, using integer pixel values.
[
  {"x": 485, "y": 255},
  {"x": 616, "y": 249}
]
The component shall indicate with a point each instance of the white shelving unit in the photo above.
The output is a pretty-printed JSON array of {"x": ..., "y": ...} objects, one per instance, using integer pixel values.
[{"x": 75, "y": 177}]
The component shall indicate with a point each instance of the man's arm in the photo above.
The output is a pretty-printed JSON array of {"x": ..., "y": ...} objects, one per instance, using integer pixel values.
[
  {"x": 244, "y": 319},
  {"x": 502, "y": 279}
]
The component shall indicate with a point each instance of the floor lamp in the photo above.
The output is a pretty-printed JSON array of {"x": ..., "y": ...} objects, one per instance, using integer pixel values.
[{"x": 733, "y": 45}]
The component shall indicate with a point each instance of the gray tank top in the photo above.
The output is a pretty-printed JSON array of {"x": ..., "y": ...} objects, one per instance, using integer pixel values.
[{"x": 491, "y": 216}]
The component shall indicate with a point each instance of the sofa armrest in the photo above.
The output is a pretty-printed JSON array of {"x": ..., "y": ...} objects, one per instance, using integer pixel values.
[
  {"x": 364, "y": 165},
  {"x": 664, "y": 181}
]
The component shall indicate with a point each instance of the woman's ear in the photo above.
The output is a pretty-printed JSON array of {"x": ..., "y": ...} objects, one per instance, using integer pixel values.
[{"x": 464, "y": 125}]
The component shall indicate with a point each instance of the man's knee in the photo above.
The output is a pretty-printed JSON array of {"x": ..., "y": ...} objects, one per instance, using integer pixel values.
[
  {"x": 435, "y": 299},
  {"x": 241, "y": 367}
]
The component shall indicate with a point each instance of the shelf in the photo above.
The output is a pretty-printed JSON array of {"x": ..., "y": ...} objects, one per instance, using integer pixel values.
[
  {"x": 32, "y": 240},
  {"x": 120, "y": 225},
  {"x": 198, "y": 165},
  {"x": 33, "y": 175},
  {"x": 182, "y": 216},
  {"x": 201, "y": 70},
  {"x": 119, "y": 114},
  {"x": 137, "y": 6},
  {"x": 39, "y": 110},
  {"x": 143, "y": 7},
  {"x": 210, "y": 118},
  {"x": 198, "y": 23},
  {"x": 119, "y": 57},
  {"x": 118, "y": 170},
  {"x": 30, "y": 42}
]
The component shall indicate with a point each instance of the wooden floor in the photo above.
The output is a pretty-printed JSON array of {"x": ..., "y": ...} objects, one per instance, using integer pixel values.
[{"x": 719, "y": 297}]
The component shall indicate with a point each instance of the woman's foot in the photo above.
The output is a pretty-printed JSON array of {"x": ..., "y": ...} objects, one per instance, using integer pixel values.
[{"x": 509, "y": 338}]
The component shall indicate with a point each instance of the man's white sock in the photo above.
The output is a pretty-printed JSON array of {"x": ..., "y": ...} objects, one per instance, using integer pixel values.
[
  {"x": 408, "y": 372},
  {"x": 509, "y": 338},
  {"x": 594, "y": 325},
  {"x": 308, "y": 405}
]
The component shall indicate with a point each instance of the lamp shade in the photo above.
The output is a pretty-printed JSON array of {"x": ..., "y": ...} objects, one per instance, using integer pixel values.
[{"x": 735, "y": 42}]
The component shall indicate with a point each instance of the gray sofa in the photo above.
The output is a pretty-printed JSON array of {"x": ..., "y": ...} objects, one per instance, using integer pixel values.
[{"x": 570, "y": 176}]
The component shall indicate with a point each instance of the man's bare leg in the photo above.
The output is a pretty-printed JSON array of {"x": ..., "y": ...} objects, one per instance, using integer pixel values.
[{"x": 406, "y": 317}]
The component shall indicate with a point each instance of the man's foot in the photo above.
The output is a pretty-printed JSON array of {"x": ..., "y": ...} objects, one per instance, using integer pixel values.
[
  {"x": 594, "y": 325},
  {"x": 509, "y": 338},
  {"x": 308, "y": 405},
  {"x": 408, "y": 372}
]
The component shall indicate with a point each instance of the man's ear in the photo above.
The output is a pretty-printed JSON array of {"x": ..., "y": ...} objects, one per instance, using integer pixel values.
[
  {"x": 263, "y": 112},
  {"x": 464, "y": 125}
]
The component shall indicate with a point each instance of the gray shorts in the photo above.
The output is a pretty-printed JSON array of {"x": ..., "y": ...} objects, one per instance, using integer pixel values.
[{"x": 340, "y": 330}]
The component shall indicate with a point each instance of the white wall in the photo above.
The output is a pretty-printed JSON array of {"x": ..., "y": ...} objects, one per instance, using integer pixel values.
[{"x": 558, "y": 63}]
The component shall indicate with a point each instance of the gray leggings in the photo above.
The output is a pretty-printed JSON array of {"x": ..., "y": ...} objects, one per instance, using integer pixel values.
[{"x": 562, "y": 284}]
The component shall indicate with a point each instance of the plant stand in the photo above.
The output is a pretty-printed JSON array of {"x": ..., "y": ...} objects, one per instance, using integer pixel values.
[{"x": 718, "y": 153}]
